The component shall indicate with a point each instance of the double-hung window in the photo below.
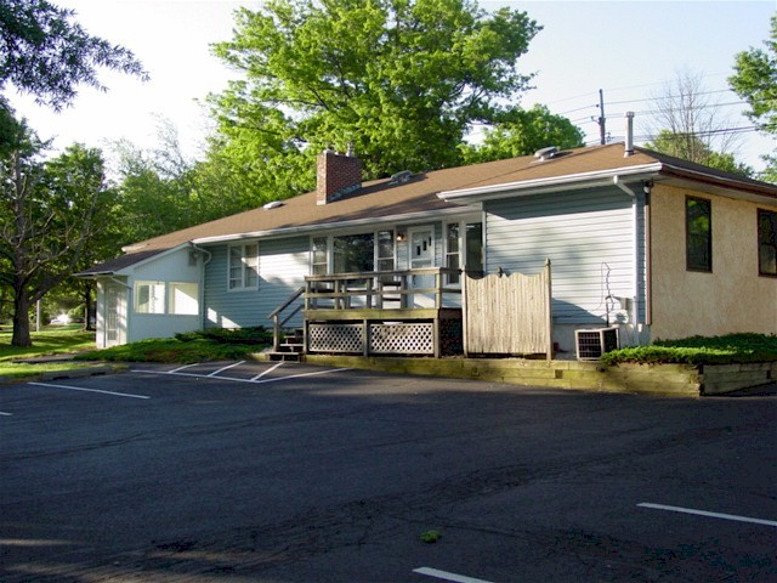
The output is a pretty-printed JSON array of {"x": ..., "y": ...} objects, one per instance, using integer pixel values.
[
  {"x": 767, "y": 243},
  {"x": 244, "y": 266}
]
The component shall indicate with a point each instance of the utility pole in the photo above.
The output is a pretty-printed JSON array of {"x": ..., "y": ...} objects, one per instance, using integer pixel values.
[{"x": 602, "y": 132}]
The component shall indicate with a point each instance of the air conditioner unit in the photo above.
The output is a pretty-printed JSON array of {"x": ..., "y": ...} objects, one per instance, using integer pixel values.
[{"x": 591, "y": 344}]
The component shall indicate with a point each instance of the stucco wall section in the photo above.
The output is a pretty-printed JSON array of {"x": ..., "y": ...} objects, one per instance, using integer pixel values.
[{"x": 733, "y": 298}]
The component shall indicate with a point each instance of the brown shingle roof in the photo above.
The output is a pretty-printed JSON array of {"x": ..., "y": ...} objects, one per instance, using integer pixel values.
[{"x": 382, "y": 199}]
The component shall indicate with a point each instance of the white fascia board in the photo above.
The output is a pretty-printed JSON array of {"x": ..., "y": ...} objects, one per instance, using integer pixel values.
[
  {"x": 430, "y": 215},
  {"x": 551, "y": 184}
]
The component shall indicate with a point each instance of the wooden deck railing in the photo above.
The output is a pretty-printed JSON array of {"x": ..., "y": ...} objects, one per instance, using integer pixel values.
[{"x": 379, "y": 290}]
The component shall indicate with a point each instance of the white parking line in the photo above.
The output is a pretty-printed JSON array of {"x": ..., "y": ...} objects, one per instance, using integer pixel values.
[
  {"x": 89, "y": 390},
  {"x": 182, "y": 368},
  {"x": 269, "y": 370},
  {"x": 238, "y": 380},
  {"x": 3, "y": 414},
  {"x": 215, "y": 372},
  {"x": 296, "y": 376},
  {"x": 710, "y": 514},
  {"x": 446, "y": 576}
]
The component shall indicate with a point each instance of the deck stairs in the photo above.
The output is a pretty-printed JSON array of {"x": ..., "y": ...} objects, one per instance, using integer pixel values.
[{"x": 291, "y": 348}]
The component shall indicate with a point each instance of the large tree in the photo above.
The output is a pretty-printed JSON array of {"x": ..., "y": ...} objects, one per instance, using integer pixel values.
[
  {"x": 521, "y": 132},
  {"x": 48, "y": 211},
  {"x": 693, "y": 126},
  {"x": 755, "y": 81},
  {"x": 45, "y": 53},
  {"x": 402, "y": 80}
]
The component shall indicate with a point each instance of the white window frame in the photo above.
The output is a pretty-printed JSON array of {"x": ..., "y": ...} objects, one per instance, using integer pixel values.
[
  {"x": 244, "y": 267},
  {"x": 170, "y": 293},
  {"x": 462, "y": 223},
  {"x": 330, "y": 247},
  {"x": 151, "y": 284}
]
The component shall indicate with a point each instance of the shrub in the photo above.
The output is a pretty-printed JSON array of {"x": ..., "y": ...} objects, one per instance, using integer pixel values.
[{"x": 728, "y": 349}]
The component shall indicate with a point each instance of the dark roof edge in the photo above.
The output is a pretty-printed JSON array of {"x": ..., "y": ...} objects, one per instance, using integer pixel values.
[{"x": 714, "y": 179}]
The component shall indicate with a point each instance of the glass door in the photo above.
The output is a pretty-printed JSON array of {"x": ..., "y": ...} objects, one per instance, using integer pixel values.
[{"x": 421, "y": 251}]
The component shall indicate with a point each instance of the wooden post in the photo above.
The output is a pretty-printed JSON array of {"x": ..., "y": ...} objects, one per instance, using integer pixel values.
[
  {"x": 438, "y": 281},
  {"x": 464, "y": 319},
  {"x": 365, "y": 338},
  {"x": 549, "y": 310}
]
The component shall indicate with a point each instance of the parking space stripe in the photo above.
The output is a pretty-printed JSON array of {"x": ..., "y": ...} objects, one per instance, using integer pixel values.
[
  {"x": 269, "y": 370},
  {"x": 223, "y": 368},
  {"x": 238, "y": 380},
  {"x": 89, "y": 390},
  {"x": 304, "y": 374},
  {"x": 3, "y": 414},
  {"x": 709, "y": 514},
  {"x": 446, "y": 576},
  {"x": 182, "y": 368}
]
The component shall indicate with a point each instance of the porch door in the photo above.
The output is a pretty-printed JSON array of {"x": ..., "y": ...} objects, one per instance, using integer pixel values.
[
  {"x": 114, "y": 315},
  {"x": 421, "y": 251}
]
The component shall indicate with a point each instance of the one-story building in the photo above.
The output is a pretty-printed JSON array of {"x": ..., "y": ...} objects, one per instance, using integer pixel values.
[{"x": 655, "y": 246}]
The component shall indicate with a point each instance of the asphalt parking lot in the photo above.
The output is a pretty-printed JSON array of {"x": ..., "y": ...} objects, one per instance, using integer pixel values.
[{"x": 292, "y": 473}]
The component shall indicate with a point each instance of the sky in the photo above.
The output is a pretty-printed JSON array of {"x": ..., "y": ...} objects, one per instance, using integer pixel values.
[{"x": 629, "y": 49}]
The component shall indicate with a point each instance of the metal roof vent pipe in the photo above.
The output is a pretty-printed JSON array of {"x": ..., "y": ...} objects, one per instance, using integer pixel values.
[{"x": 629, "y": 134}]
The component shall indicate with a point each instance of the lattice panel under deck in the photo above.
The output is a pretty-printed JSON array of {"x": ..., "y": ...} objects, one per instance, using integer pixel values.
[
  {"x": 404, "y": 338},
  {"x": 335, "y": 338}
]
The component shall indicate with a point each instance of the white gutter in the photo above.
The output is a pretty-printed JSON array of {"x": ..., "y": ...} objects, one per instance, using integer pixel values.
[
  {"x": 549, "y": 184},
  {"x": 429, "y": 215}
]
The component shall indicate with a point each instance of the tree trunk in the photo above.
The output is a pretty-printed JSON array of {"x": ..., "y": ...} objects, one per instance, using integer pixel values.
[
  {"x": 21, "y": 321},
  {"x": 88, "y": 306}
]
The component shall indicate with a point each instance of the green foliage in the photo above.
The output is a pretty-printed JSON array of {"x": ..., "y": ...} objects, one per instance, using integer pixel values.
[
  {"x": 520, "y": 132},
  {"x": 44, "y": 52},
  {"x": 728, "y": 349},
  {"x": 689, "y": 147},
  {"x": 401, "y": 80},
  {"x": 249, "y": 335},
  {"x": 430, "y": 536},
  {"x": 171, "y": 350},
  {"x": 48, "y": 212},
  {"x": 755, "y": 81}
]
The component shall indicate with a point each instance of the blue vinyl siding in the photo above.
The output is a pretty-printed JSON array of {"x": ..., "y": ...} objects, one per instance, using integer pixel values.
[
  {"x": 283, "y": 265},
  {"x": 583, "y": 234}
]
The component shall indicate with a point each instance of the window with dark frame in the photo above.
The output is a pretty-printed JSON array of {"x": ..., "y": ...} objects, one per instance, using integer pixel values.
[
  {"x": 698, "y": 234},
  {"x": 767, "y": 243}
]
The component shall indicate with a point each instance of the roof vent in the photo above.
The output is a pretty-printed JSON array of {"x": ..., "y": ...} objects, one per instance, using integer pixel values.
[
  {"x": 273, "y": 204},
  {"x": 401, "y": 177},
  {"x": 546, "y": 153}
]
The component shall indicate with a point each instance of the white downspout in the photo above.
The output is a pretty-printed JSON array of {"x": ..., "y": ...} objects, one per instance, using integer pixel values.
[
  {"x": 204, "y": 314},
  {"x": 635, "y": 244}
]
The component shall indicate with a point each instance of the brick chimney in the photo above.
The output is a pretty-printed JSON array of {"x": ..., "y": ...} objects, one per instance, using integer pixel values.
[{"x": 336, "y": 175}]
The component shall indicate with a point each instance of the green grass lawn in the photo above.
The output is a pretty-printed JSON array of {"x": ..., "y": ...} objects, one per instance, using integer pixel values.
[{"x": 50, "y": 340}]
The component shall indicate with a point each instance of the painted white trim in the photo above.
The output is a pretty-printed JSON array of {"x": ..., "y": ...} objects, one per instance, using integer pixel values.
[{"x": 550, "y": 184}]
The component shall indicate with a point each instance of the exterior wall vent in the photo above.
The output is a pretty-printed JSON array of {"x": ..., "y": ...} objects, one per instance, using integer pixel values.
[{"x": 591, "y": 344}]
